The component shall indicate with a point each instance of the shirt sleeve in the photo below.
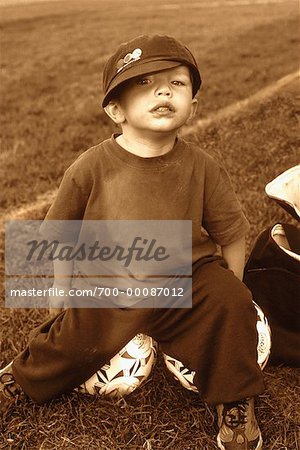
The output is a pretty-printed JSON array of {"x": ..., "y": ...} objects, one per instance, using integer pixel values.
[
  {"x": 63, "y": 220},
  {"x": 223, "y": 217}
]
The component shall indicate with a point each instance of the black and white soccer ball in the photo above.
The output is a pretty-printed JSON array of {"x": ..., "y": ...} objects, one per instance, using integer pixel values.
[
  {"x": 126, "y": 371},
  {"x": 181, "y": 373},
  {"x": 186, "y": 376}
]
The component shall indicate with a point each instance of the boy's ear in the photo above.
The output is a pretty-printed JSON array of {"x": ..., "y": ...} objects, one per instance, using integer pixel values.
[
  {"x": 114, "y": 111},
  {"x": 193, "y": 109}
]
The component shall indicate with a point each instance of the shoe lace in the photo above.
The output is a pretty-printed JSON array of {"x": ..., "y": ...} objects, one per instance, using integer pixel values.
[
  {"x": 8, "y": 385},
  {"x": 235, "y": 414}
]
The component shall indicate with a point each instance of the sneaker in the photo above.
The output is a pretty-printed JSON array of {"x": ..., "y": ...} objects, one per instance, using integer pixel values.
[
  {"x": 9, "y": 389},
  {"x": 238, "y": 428}
]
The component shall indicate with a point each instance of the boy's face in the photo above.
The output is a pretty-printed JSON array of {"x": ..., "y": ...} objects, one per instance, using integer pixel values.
[{"x": 157, "y": 102}]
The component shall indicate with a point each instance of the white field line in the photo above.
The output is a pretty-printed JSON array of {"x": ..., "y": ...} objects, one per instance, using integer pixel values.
[
  {"x": 242, "y": 105},
  {"x": 45, "y": 199},
  {"x": 22, "y": 212}
]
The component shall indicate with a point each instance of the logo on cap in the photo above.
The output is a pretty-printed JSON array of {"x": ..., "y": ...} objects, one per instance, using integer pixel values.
[{"x": 135, "y": 55}]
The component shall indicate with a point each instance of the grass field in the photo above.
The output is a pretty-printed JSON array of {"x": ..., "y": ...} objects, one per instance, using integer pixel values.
[{"x": 52, "y": 55}]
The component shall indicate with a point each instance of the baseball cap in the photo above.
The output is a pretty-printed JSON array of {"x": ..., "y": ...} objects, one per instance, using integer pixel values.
[{"x": 146, "y": 54}]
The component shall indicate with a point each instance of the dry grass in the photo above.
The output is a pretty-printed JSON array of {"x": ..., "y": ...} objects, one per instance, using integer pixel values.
[
  {"x": 159, "y": 416},
  {"x": 52, "y": 57}
]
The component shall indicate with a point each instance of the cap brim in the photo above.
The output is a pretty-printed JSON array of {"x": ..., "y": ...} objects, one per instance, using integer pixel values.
[
  {"x": 284, "y": 189},
  {"x": 135, "y": 70}
]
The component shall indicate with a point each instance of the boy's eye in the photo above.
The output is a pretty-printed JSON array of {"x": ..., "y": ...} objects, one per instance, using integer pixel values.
[
  {"x": 178, "y": 83},
  {"x": 143, "y": 81}
]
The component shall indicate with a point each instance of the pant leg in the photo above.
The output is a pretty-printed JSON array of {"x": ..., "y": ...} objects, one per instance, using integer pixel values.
[
  {"x": 217, "y": 338},
  {"x": 66, "y": 350}
]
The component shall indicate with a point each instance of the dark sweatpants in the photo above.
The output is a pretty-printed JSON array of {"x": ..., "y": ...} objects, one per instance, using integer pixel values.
[{"x": 217, "y": 338}]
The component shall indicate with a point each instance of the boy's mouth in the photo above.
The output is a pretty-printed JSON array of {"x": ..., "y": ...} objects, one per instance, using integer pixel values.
[{"x": 164, "y": 107}]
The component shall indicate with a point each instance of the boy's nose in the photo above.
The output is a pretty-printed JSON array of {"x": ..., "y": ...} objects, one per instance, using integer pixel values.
[{"x": 164, "y": 90}]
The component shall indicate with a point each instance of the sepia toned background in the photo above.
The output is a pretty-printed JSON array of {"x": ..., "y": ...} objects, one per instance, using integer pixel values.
[{"x": 52, "y": 56}]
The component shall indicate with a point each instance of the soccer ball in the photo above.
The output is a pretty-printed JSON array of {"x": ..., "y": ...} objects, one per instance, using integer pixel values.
[
  {"x": 181, "y": 373},
  {"x": 186, "y": 376},
  {"x": 126, "y": 371}
]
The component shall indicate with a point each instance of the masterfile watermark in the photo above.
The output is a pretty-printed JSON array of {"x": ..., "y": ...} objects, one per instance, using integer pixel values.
[
  {"x": 145, "y": 251},
  {"x": 116, "y": 263},
  {"x": 173, "y": 296}
]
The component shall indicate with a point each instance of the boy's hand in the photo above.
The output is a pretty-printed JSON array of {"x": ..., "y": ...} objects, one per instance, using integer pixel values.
[
  {"x": 234, "y": 255},
  {"x": 54, "y": 311},
  {"x": 63, "y": 271},
  {"x": 57, "y": 303}
]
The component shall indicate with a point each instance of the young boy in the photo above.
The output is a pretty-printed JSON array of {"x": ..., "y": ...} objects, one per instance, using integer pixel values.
[{"x": 148, "y": 173}]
